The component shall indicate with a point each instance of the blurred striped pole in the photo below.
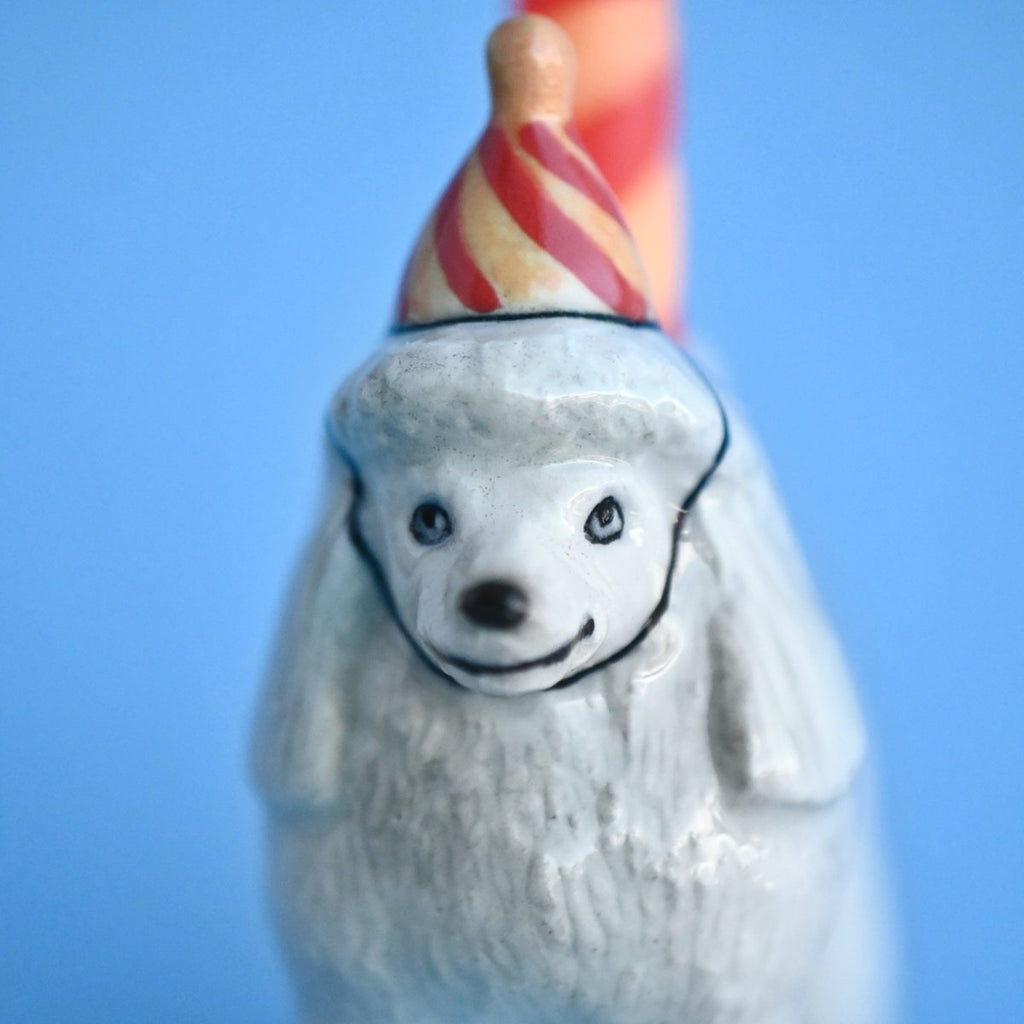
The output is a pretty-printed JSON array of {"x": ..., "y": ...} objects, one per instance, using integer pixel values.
[{"x": 628, "y": 107}]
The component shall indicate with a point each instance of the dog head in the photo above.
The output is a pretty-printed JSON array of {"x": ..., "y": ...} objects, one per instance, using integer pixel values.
[{"x": 522, "y": 489}]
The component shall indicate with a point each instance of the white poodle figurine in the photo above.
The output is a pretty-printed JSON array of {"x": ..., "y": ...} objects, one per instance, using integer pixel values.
[{"x": 556, "y": 733}]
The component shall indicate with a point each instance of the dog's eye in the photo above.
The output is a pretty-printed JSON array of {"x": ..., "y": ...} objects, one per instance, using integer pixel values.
[
  {"x": 604, "y": 524},
  {"x": 430, "y": 525}
]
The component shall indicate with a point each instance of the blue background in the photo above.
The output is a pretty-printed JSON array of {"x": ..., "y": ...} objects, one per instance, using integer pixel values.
[{"x": 205, "y": 211}]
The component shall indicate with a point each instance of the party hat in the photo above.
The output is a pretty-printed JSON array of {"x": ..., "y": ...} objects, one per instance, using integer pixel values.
[{"x": 528, "y": 226}]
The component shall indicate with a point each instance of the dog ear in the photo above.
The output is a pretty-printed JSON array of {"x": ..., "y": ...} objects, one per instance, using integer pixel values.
[
  {"x": 300, "y": 724},
  {"x": 783, "y": 719}
]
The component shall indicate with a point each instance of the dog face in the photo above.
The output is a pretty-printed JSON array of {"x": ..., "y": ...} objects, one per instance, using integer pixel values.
[
  {"x": 520, "y": 490},
  {"x": 512, "y": 581}
]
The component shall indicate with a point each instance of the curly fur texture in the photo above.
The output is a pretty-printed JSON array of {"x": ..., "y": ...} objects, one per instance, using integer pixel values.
[
  {"x": 527, "y": 392},
  {"x": 675, "y": 840}
]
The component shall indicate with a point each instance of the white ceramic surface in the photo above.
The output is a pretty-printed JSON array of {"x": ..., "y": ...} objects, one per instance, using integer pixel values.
[{"x": 510, "y": 815}]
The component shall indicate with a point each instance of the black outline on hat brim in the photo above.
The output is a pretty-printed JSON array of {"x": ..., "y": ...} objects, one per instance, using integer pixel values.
[
  {"x": 685, "y": 507},
  {"x": 490, "y": 318}
]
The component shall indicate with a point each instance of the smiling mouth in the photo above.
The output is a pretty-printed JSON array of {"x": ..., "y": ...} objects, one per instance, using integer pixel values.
[{"x": 478, "y": 668}]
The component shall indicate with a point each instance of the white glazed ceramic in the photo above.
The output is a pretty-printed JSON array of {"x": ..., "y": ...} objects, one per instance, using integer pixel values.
[
  {"x": 556, "y": 733},
  {"x": 672, "y": 837}
]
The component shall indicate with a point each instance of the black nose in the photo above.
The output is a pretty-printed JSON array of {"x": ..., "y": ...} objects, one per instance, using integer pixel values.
[{"x": 494, "y": 605}]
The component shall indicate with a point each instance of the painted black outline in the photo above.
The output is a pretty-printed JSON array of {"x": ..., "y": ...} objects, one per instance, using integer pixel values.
[
  {"x": 480, "y": 668},
  {"x": 490, "y": 318},
  {"x": 685, "y": 507}
]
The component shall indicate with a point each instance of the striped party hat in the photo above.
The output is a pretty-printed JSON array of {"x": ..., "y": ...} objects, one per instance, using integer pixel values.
[{"x": 528, "y": 226}]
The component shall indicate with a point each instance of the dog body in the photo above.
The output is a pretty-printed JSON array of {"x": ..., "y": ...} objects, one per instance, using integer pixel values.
[{"x": 633, "y": 804}]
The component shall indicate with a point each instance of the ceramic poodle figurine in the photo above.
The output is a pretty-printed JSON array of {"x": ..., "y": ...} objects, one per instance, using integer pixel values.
[{"x": 556, "y": 733}]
